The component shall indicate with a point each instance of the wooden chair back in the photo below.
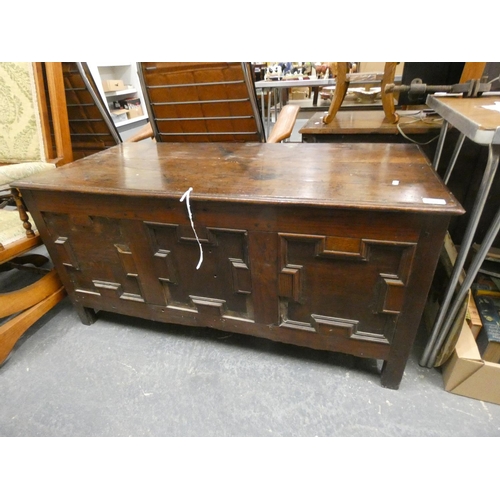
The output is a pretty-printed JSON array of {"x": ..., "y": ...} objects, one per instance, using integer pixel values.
[
  {"x": 34, "y": 130},
  {"x": 34, "y": 124},
  {"x": 201, "y": 101},
  {"x": 54, "y": 115}
]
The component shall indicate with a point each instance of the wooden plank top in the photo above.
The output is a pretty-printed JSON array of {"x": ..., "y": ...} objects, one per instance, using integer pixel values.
[
  {"x": 289, "y": 83},
  {"x": 370, "y": 122},
  {"x": 469, "y": 115},
  {"x": 366, "y": 176},
  {"x": 353, "y": 78}
]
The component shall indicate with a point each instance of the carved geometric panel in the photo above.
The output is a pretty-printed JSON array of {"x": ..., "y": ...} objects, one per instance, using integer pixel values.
[
  {"x": 130, "y": 268},
  {"x": 326, "y": 325},
  {"x": 221, "y": 285},
  {"x": 66, "y": 253},
  {"x": 96, "y": 256},
  {"x": 357, "y": 285},
  {"x": 390, "y": 294},
  {"x": 289, "y": 282},
  {"x": 242, "y": 282}
]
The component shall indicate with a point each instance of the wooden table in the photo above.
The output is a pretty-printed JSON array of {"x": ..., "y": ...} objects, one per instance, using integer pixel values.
[
  {"x": 475, "y": 121},
  {"x": 326, "y": 246},
  {"x": 369, "y": 126}
]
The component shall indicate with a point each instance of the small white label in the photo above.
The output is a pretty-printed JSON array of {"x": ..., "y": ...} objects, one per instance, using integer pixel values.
[
  {"x": 395, "y": 183},
  {"x": 434, "y": 201},
  {"x": 493, "y": 107}
]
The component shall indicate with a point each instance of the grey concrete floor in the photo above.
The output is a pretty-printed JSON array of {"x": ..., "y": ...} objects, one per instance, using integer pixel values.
[{"x": 124, "y": 376}]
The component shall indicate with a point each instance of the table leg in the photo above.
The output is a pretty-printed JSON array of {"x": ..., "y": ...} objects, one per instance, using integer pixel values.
[
  {"x": 86, "y": 314},
  {"x": 456, "y": 152},
  {"x": 263, "y": 108},
  {"x": 315, "y": 95},
  {"x": 439, "y": 147},
  {"x": 278, "y": 103},
  {"x": 268, "y": 112},
  {"x": 469, "y": 279},
  {"x": 275, "y": 99},
  {"x": 392, "y": 374},
  {"x": 436, "y": 338}
]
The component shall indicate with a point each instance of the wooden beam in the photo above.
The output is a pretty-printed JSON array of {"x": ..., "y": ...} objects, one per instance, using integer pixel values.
[
  {"x": 472, "y": 71},
  {"x": 57, "y": 96}
]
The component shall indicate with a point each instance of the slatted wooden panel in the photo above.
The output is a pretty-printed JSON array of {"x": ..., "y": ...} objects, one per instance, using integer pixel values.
[
  {"x": 90, "y": 132},
  {"x": 200, "y": 102}
]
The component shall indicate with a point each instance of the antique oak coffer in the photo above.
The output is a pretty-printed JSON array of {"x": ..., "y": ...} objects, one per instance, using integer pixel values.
[{"x": 326, "y": 246}]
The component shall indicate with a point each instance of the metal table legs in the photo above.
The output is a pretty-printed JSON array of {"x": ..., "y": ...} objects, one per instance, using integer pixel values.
[
  {"x": 277, "y": 107},
  {"x": 439, "y": 147},
  {"x": 462, "y": 293},
  {"x": 446, "y": 312},
  {"x": 458, "y": 147}
]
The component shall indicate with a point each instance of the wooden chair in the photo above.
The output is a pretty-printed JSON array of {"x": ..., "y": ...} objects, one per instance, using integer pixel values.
[
  {"x": 91, "y": 127},
  {"x": 30, "y": 142},
  {"x": 206, "y": 102},
  {"x": 343, "y": 79}
]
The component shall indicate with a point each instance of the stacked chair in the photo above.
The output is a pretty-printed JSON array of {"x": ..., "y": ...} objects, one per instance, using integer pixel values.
[{"x": 34, "y": 137}]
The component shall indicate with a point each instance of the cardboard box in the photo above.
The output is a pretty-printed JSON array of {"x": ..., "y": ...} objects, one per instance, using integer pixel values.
[
  {"x": 113, "y": 85},
  {"x": 119, "y": 115},
  {"x": 298, "y": 95},
  {"x": 130, "y": 102},
  {"x": 134, "y": 112},
  {"x": 473, "y": 317},
  {"x": 467, "y": 374}
]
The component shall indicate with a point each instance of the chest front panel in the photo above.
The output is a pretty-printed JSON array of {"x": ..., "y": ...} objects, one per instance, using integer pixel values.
[{"x": 326, "y": 276}]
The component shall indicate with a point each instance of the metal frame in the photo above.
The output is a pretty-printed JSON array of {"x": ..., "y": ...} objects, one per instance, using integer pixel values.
[
  {"x": 152, "y": 122},
  {"x": 453, "y": 297},
  {"x": 249, "y": 80},
  {"x": 83, "y": 70}
]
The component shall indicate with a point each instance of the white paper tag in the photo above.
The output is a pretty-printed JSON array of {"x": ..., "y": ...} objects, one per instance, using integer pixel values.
[{"x": 434, "y": 201}]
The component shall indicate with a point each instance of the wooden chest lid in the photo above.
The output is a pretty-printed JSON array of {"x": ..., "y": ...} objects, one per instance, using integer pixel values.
[{"x": 366, "y": 176}]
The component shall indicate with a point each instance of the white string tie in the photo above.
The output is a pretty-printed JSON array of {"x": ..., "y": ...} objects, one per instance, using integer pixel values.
[{"x": 186, "y": 196}]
